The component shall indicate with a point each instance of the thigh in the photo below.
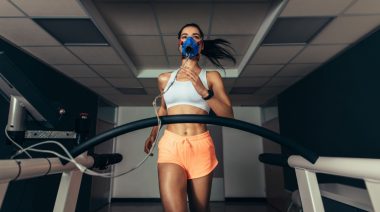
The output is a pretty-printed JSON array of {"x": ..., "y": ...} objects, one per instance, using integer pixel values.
[
  {"x": 172, "y": 183},
  {"x": 199, "y": 190}
]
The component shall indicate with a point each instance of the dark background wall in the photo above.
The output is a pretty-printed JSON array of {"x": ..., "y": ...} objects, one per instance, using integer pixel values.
[
  {"x": 54, "y": 90},
  {"x": 335, "y": 110}
]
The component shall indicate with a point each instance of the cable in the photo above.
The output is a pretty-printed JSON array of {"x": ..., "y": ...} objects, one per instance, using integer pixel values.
[
  {"x": 155, "y": 106},
  {"x": 82, "y": 168},
  {"x": 70, "y": 159},
  {"x": 14, "y": 142}
]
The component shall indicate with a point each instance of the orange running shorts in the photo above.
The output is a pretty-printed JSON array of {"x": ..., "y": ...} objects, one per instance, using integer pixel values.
[{"x": 195, "y": 154}]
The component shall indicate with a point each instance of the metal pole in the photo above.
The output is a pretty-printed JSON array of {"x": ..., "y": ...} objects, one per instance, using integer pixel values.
[
  {"x": 68, "y": 191},
  {"x": 29, "y": 168},
  {"x": 309, "y": 190},
  {"x": 3, "y": 191},
  {"x": 373, "y": 188}
]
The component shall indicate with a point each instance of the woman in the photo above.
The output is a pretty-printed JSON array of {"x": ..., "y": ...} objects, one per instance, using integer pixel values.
[{"x": 186, "y": 154}]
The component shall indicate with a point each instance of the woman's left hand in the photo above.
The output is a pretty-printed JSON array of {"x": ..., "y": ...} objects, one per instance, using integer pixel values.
[{"x": 197, "y": 83}]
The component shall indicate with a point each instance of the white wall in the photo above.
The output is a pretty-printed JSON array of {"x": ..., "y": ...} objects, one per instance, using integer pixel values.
[
  {"x": 243, "y": 174},
  {"x": 142, "y": 182}
]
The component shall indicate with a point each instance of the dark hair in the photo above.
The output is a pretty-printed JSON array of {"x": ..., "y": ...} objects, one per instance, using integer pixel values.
[{"x": 215, "y": 49}]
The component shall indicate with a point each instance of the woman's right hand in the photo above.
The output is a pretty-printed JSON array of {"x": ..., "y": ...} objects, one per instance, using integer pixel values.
[{"x": 148, "y": 144}]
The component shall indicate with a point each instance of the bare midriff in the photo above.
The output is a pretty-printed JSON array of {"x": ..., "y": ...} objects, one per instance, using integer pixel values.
[{"x": 186, "y": 129}]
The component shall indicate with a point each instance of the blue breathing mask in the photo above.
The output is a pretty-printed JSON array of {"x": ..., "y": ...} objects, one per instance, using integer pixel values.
[{"x": 190, "y": 48}]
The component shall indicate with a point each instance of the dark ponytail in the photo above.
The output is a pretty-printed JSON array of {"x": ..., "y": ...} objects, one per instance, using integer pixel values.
[{"x": 214, "y": 50}]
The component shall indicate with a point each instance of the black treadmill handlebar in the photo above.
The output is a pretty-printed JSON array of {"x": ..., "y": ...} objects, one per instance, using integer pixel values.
[
  {"x": 222, "y": 121},
  {"x": 274, "y": 159},
  {"x": 102, "y": 161}
]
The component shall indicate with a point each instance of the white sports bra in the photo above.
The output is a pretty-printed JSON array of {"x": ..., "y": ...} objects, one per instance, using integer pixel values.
[{"x": 183, "y": 92}]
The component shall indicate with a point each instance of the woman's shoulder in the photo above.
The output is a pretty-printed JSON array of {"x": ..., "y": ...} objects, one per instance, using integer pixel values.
[
  {"x": 213, "y": 78},
  {"x": 213, "y": 75},
  {"x": 164, "y": 76}
]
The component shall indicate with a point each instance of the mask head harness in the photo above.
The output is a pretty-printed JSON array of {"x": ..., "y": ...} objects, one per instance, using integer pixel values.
[{"x": 190, "y": 47}]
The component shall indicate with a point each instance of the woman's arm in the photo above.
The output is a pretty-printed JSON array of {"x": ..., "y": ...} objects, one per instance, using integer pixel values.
[{"x": 220, "y": 103}]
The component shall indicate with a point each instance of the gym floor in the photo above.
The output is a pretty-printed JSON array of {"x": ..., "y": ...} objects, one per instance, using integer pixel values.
[{"x": 215, "y": 207}]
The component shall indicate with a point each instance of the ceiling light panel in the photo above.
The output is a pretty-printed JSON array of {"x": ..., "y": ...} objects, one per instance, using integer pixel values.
[
  {"x": 112, "y": 70},
  {"x": 101, "y": 55},
  {"x": 73, "y": 31},
  {"x": 297, "y": 8},
  {"x": 183, "y": 15},
  {"x": 51, "y": 8},
  {"x": 295, "y": 30},
  {"x": 318, "y": 54},
  {"x": 142, "y": 45},
  {"x": 53, "y": 55},
  {"x": 76, "y": 70},
  {"x": 347, "y": 29},
  {"x": 8, "y": 10},
  {"x": 243, "y": 18},
  {"x": 260, "y": 70},
  {"x": 364, "y": 7},
  {"x": 24, "y": 32},
  {"x": 275, "y": 54},
  {"x": 129, "y": 19}
]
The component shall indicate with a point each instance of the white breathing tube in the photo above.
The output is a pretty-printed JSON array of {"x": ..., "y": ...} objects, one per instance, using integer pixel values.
[
  {"x": 155, "y": 109},
  {"x": 82, "y": 168}
]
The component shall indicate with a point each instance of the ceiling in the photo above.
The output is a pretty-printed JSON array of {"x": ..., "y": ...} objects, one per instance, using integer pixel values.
[{"x": 276, "y": 43}]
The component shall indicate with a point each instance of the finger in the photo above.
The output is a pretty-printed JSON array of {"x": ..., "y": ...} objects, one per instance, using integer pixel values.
[
  {"x": 189, "y": 74},
  {"x": 183, "y": 72},
  {"x": 186, "y": 71},
  {"x": 192, "y": 77},
  {"x": 186, "y": 67},
  {"x": 146, "y": 148}
]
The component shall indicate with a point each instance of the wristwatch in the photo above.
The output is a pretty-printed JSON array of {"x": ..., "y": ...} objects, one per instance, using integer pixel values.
[{"x": 210, "y": 94}]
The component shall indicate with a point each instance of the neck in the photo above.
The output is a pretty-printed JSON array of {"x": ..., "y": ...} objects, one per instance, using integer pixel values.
[{"x": 191, "y": 64}]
